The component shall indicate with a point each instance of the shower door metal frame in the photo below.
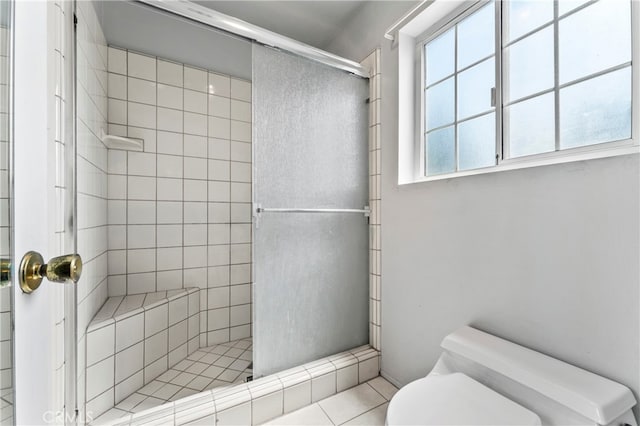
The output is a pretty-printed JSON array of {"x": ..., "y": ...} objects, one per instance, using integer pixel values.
[
  {"x": 71, "y": 211},
  {"x": 248, "y": 31}
]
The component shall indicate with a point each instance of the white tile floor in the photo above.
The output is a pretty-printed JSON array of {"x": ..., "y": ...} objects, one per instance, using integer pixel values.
[
  {"x": 207, "y": 368},
  {"x": 365, "y": 404}
]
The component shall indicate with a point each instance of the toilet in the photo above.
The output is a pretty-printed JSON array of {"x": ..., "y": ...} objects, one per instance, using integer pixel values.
[{"x": 481, "y": 379}]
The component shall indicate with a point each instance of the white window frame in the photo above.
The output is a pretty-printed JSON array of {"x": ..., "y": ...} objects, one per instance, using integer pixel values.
[
  {"x": 411, "y": 39},
  {"x": 422, "y": 40}
]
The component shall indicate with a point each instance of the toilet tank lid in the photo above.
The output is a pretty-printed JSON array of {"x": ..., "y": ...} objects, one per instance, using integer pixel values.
[{"x": 595, "y": 397}]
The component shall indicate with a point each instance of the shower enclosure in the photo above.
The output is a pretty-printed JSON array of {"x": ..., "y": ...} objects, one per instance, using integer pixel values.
[{"x": 222, "y": 212}]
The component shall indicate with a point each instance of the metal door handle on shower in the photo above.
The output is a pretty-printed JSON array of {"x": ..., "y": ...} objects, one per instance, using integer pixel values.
[{"x": 366, "y": 210}]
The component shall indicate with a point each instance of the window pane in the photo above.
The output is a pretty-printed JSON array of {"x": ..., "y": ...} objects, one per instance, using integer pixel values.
[
  {"x": 531, "y": 128},
  {"x": 474, "y": 89},
  {"x": 476, "y": 38},
  {"x": 440, "y": 151},
  {"x": 594, "y": 39},
  {"x": 527, "y": 15},
  {"x": 440, "y": 57},
  {"x": 596, "y": 110},
  {"x": 565, "y": 6},
  {"x": 477, "y": 142},
  {"x": 440, "y": 104},
  {"x": 530, "y": 65}
]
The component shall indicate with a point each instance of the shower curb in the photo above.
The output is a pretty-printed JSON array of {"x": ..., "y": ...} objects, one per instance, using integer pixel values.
[{"x": 266, "y": 398}]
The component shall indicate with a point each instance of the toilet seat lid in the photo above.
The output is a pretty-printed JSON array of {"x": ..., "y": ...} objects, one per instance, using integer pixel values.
[{"x": 455, "y": 399}]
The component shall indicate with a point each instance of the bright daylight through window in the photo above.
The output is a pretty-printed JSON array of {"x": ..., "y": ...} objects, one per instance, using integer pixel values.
[{"x": 561, "y": 79}]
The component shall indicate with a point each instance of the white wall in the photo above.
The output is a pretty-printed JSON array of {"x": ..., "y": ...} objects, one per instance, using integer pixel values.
[{"x": 548, "y": 257}]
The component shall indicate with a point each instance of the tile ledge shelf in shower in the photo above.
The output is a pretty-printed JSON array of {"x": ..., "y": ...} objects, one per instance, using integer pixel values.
[
  {"x": 161, "y": 327},
  {"x": 248, "y": 402}
]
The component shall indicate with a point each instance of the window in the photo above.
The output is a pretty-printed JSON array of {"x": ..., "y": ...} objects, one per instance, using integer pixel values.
[{"x": 514, "y": 80}]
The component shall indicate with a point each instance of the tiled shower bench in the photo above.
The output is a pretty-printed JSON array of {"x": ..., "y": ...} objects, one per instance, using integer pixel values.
[{"x": 135, "y": 338}]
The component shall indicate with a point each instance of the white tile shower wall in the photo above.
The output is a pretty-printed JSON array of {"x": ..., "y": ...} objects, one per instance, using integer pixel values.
[
  {"x": 180, "y": 211},
  {"x": 6, "y": 365},
  {"x": 91, "y": 177},
  {"x": 372, "y": 63}
]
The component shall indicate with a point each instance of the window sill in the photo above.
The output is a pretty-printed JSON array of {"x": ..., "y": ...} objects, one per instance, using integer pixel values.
[{"x": 629, "y": 147}]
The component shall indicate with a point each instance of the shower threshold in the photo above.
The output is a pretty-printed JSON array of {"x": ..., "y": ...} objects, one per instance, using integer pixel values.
[
  {"x": 265, "y": 398},
  {"x": 207, "y": 368}
]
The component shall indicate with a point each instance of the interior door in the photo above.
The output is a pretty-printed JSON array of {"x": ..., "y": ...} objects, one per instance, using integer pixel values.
[
  {"x": 311, "y": 235},
  {"x": 35, "y": 186}
]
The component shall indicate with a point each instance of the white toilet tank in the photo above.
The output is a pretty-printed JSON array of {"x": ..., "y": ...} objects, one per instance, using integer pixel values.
[{"x": 557, "y": 392}]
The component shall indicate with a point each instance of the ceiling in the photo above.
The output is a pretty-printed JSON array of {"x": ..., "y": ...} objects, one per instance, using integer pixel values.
[{"x": 312, "y": 22}]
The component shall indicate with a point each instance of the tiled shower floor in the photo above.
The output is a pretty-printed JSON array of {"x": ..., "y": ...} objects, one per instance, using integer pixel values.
[{"x": 207, "y": 368}]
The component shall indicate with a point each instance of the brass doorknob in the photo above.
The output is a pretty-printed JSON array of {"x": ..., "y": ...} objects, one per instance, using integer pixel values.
[
  {"x": 5, "y": 272},
  {"x": 60, "y": 269}
]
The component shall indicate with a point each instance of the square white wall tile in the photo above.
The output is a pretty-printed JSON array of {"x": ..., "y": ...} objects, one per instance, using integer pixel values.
[
  {"x": 195, "y": 146},
  {"x": 141, "y": 164},
  {"x": 219, "y": 85},
  {"x": 100, "y": 344},
  {"x": 169, "y": 166},
  {"x": 170, "y": 73},
  {"x": 142, "y": 91},
  {"x": 218, "y": 276},
  {"x": 266, "y": 407},
  {"x": 347, "y": 377},
  {"x": 169, "y": 258},
  {"x": 117, "y": 86},
  {"x": 141, "y": 115},
  {"x": 117, "y": 110},
  {"x": 241, "y": 90},
  {"x": 195, "y": 79},
  {"x": 169, "y": 143},
  {"x": 195, "y": 212},
  {"x": 100, "y": 377},
  {"x": 195, "y": 101},
  {"x": 219, "y": 106},
  {"x": 323, "y": 386},
  {"x": 240, "y": 131},
  {"x": 170, "y": 96},
  {"x": 240, "y": 110},
  {"x": 156, "y": 320},
  {"x": 129, "y": 361},
  {"x": 219, "y": 148},
  {"x": 117, "y": 61},
  {"x": 129, "y": 331},
  {"x": 195, "y": 124},
  {"x": 219, "y": 128},
  {"x": 169, "y": 120},
  {"x": 141, "y": 66},
  {"x": 297, "y": 396},
  {"x": 156, "y": 348},
  {"x": 241, "y": 151}
]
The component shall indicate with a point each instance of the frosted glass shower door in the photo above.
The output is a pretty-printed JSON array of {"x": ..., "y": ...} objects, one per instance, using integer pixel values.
[{"x": 310, "y": 269}]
